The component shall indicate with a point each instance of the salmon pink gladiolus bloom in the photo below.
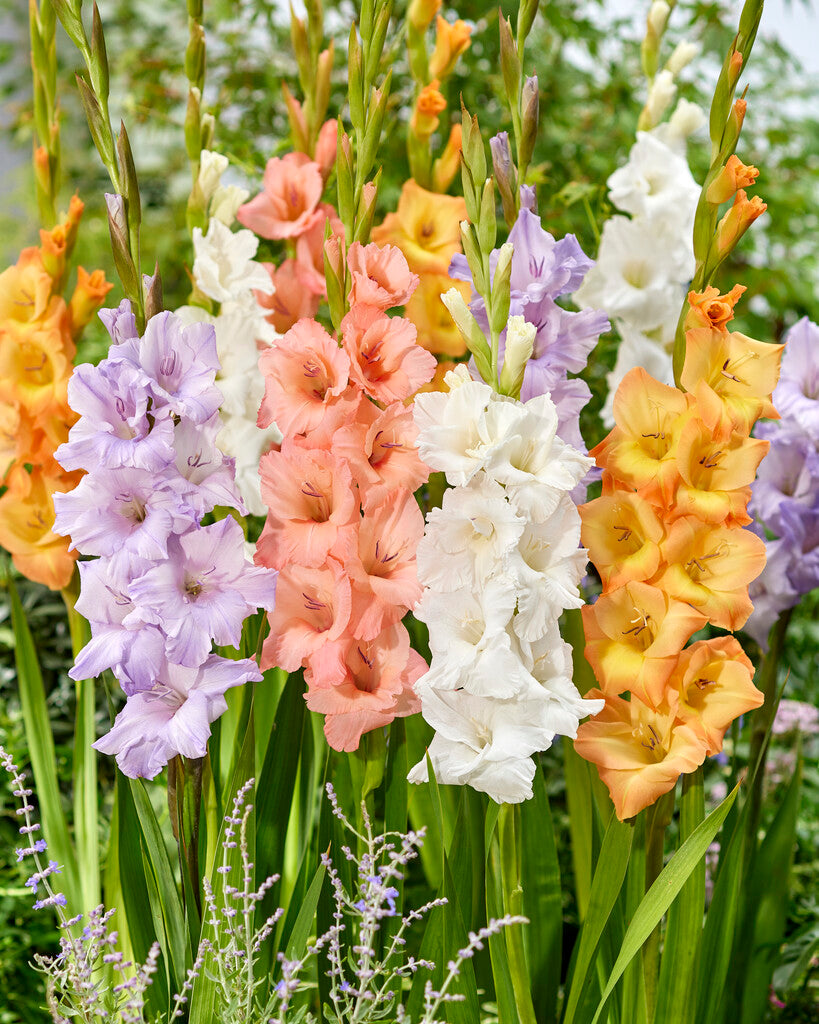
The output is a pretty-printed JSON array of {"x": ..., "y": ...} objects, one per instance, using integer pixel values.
[
  {"x": 303, "y": 373},
  {"x": 710, "y": 567},
  {"x": 633, "y": 639},
  {"x": 381, "y": 276},
  {"x": 286, "y": 207},
  {"x": 361, "y": 685},
  {"x": 386, "y": 362},
  {"x": 312, "y": 609},
  {"x": 640, "y": 753},
  {"x": 712, "y": 686},
  {"x": 312, "y": 502},
  {"x": 292, "y": 297}
]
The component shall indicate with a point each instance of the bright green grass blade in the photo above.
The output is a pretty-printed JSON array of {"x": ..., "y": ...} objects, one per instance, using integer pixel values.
[
  {"x": 681, "y": 947},
  {"x": 605, "y": 888},
  {"x": 663, "y": 893}
]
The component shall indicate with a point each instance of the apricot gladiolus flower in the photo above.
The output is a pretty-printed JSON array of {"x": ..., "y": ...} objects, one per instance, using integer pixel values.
[
  {"x": 428, "y": 106},
  {"x": 287, "y": 205},
  {"x": 26, "y": 519},
  {"x": 710, "y": 309},
  {"x": 716, "y": 474},
  {"x": 304, "y": 372},
  {"x": 633, "y": 639},
  {"x": 385, "y": 360},
  {"x": 712, "y": 686},
  {"x": 380, "y": 276},
  {"x": 622, "y": 532},
  {"x": 640, "y": 450},
  {"x": 88, "y": 296},
  {"x": 733, "y": 176},
  {"x": 640, "y": 753},
  {"x": 732, "y": 377},
  {"x": 710, "y": 567},
  {"x": 292, "y": 297},
  {"x": 425, "y": 228},
  {"x": 451, "y": 40},
  {"x": 437, "y": 332},
  {"x": 26, "y": 290}
]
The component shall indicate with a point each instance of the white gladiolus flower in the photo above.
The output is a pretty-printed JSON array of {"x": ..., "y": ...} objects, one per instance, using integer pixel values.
[
  {"x": 500, "y": 560},
  {"x": 224, "y": 262},
  {"x": 683, "y": 54},
  {"x": 660, "y": 95},
  {"x": 656, "y": 181},
  {"x": 637, "y": 349},
  {"x": 211, "y": 168},
  {"x": 226, "y": 201}
]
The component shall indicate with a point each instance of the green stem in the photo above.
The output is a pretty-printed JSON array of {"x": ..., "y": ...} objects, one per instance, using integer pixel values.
[
  {"x": 86, "y": 811},
  {"x": 508, "y": 826},
  {"x": 657, "y": 821}
]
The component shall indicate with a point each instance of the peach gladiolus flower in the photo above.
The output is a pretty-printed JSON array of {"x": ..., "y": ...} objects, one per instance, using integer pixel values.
[
  {"x": 425, "y": 227},
  {"x": 733, "y": 176},
  {"x": 35, "y": 364},
  {"x": 710, "y": 309},
  {"x": 622, "y": 532},
  {"x": 712, "y": 686},
  {"x": 312, "y": 504},
  {"x": 640, "y": 753},
  {"x": 437, "y": 332},
  {"x": 380, "y": 276},
  {"x": 326, "y": 147},
  {"x": 633, "y": 639},
  {"x": 380, "y": 557},
  {"x": 361, "y": 685},
  {"x": 380, "y": 449},
  {"x": 303, "y": 373},
  {"x": 737, "y": 221},
  {"x": 292, "y": 298},
  {"x": 716, "y": 474},
  {"x": 312, "y": 608},
  {"x": 451, "y": 40},
  {"x": 286, "y": 207},
  {"x": 88, "y": 296},
  {"x": 25, "y": 290},
  {"x": 732, "y": 377},
  {"x": 26, "y": 519},
  {"x": 640, "y": 450},
  {"x": 385, "y": 360},
  {"x": 710, "y": 567}
]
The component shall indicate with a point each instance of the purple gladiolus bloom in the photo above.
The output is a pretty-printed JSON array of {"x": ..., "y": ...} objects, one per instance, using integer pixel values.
[
  {"x": 207, "y": 475},
  {"x": 121, "y": 513},
  {"x": 120, "y": 322},
  {"x": 204, "y": 591},
  {"x": 797, "y": 394},
  {"x": 175, "y": 716},
  {"x": 114, "y": 428}
]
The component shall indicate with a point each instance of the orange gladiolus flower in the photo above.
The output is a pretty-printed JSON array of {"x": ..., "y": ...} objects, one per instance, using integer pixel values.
[
  {"x": 640, "y": 450},
  {"x": 88, "y": 296},
  {"x": 737, "y": 221},
  {"x": 428, "y": 106},
  {"x": 622, "y": 532},
  {"x": 639, "y": 752},
  {"x": 436, "y": 328},
  {"x": 710, "y": 309},
  {"x": 25, "y": 290},
  {"x": 26, "y": 518},
  {"x": 451, "y": 40},
  {"x": 425, "y": 228},
  {"x": 712, "y": 686},
  {"x": 710, "y": 567},
  {"x": 716, "y": 474},
  {"x": 733, "y": 176},
  {"x": 732, "y": 377},
  {"x": 633, "y": 639}
]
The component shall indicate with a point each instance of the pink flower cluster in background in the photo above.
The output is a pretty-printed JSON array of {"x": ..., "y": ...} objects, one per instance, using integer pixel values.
[{"x": 343, "y": 525}]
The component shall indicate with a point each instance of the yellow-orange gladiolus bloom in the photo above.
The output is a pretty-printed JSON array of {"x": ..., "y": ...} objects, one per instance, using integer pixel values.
[
  {"x": 622, "y": 532},
  {"x": 425, "y": 227},
  {"x": 89, "y": 295},
  {"x": 446, "y": 166},
  {"x": 640, "y": 450},
  {"x": 710, "y": 309},
  {"x": 716, "y": 474},
  {"x": 737, "y": 221},
  {"x": 732, "y": 377},
  {"x": 451, "y": 40},
  {"x": 436, "y": 328},
  {"x": 26, "y": 518},
  {"x": 712, "y": 686},
  {"x": 35, "y": 366},
  {"x": 25, "y": 290},
  {"x": 428, "y": 106},
  {"x": 733, "y": 176},
  {"x": 639, "y": 752},
  {"x": 633, "y": 639},
  {"x": 710, "y": 567}
]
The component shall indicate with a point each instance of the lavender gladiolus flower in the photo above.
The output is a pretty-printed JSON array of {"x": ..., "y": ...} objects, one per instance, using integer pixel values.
[{"x": 165, "y": 587}]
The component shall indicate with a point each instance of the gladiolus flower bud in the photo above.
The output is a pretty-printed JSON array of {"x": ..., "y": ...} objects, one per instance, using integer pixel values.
[
  {"x": 428, "y": 106},
  {"x": 421, "y": 13},
  {"x": 88, "y": 296},
  {"x": 529, "y": 112},
  {"x": 737, "y": 221},
  {"x": 682, "y": 56},
  {"x": 520, "y": 342},
  {"x": 446, "y": 166},
  {"x": 733, "y": 176},
  {"x": 505, "y": 174},
  {"x": 450, "y": 42}
]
